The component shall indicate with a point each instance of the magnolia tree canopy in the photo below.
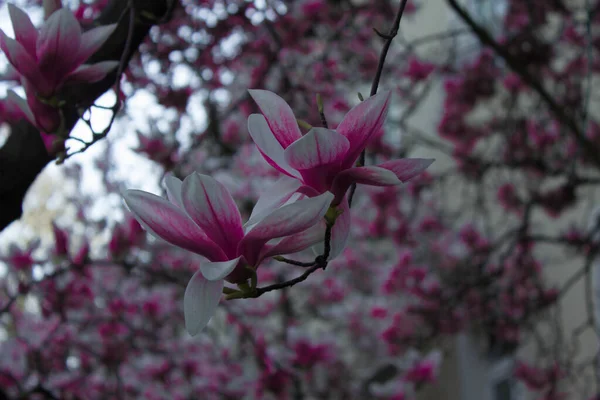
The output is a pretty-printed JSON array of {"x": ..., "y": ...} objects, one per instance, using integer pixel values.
[{"x": 334, "y": 197}]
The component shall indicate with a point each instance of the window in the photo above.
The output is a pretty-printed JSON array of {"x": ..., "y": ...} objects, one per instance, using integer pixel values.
[
  {"x": 501, "y": 383},
  {"x": 503, "y": 390},
  {"x": 486, "y": 375},
  {"x": 487, "y": 13}
]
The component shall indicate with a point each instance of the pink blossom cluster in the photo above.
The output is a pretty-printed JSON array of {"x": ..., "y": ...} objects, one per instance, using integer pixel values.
[
  {"x": 46, "y": 60},
  {"x": 541, "y": 380}
]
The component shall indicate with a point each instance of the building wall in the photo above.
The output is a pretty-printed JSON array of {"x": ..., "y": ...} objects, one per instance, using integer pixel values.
[{"x": 467, "y": 372}]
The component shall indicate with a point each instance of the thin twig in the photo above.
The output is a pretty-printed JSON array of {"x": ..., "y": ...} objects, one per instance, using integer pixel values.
[
  {"x": 320, "y": 262},
  {"x": 386, "y": 46},
  {"x": 294, "y": 262},
  {"x": 375, "y": 85},
  {"x": 486, "y": 39},
  {"x": 291, "y": 282},
  {"x": 120, "y": 69}
]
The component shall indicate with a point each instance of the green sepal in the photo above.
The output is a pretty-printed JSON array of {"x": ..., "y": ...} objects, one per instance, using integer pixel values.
[
  {"x": 303, "y": 124},
  {"x": 331, "y": 215}
]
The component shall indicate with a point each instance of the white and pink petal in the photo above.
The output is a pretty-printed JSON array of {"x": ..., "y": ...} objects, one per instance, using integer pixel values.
[
  {"x": 407, "y": 168},
  {"x": 25, "y": 32},
  {"x": 24, "y": 63},
  {"x": 274, "y": 197},
  {"x": 269, "y": 147},
  {"x": 173, "y": 186},
  {"x": 340, "y": 230},
  {"x": 210, "y": 205},
  {"x": 372, "y": 175},
  {"x": 279, "y": 116},
  {"x": 92, "y": 40},
  {"x": 58, "y": 46},
  {"x": 50, "y": 6},
  {"x": 166, "y": 221},
  {"x": 298, "y": 242},
  {"x": 339, "y": 233},
  {"x": 285, "y": 221},
  {"x": 218, "y": 270},
  {"x": 200, "y": 302},
  {"x": 14, "y": 100},
  {"x": 318, "y": 147},
  {"x": 92, "y": 73},
  {"x": 361, "y": 122}
]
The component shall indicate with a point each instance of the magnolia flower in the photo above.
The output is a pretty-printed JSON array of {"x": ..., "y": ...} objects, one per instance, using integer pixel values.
[
  {"x": 323, "y": 160},
  {"x": 202, "y": 217},
  {"x": 54, "y": 56}
]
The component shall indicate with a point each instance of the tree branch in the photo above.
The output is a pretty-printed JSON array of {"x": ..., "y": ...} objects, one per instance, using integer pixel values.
[
  {"x": 375, "y": 85},
  {"x": 487, "y": 40},
  {"x": 24, "y": 156}
]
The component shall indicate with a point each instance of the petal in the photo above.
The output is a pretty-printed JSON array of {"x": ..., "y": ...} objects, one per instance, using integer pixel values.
[
  {"x": 24, "y": 63},
  {"x": 50, "y": 142},
  {"x": 361, "y": 122},
  {"x": 375, "y": 176},
  {"x": 58, "y": 46},
  {"x": 218, "y": 270},
  {"x": 50, "y": 6},
  {"x": 339, "y": 233},
  {"x": 25, "y": 32},
  {"x": 279, "y": 116},
  {"x": 16, "y": 100},
  {"x": 274, "y": 197},
  {"x": 47, "y": 118},
  {"x": 200, "y": 302},
  {"x": 211, "y": 206},
  {"x": 164, "y": 220},
  {"x": 269, "y": 147},
  {"x": 318, "y": 147},
  {"x": 92, "y": 73},
  {"x": 173, "y": 186},
  {"x": 407, "y": 168},
  {"x": 298, "y": 242},
  {"x": 287, "y": 220},
  {"x": 92, "y": 40}
]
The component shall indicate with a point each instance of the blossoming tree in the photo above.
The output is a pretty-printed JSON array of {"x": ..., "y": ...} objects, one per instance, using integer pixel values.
[{"x": 360, "y": 260}]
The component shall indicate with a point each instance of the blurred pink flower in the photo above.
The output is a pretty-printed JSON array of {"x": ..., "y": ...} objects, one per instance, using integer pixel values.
[
  {"x": 419, "y": 70},
  {"x": 52, "y": 57}
]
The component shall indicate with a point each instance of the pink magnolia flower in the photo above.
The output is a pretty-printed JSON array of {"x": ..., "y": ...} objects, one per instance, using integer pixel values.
[
  {"x": 323, "y": 159},
  {"x": 52, "y": 57},
  {"x": 202, "y": 217}
]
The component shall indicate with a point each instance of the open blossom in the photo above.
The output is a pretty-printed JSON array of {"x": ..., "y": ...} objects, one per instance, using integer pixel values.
[
  {"x": 202, "y": 217},
  {"x": 323, "y": 160},
  {"x": 52, "y": 57}
]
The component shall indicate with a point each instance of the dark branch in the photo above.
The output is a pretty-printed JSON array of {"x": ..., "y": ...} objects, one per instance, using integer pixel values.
[
  {"x": 24, "y": 156},
  {"x": 569, "y": 121},
  {"x": 375, "y": 85}
]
